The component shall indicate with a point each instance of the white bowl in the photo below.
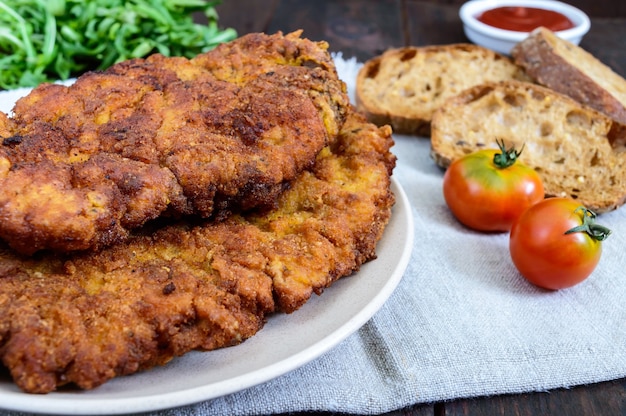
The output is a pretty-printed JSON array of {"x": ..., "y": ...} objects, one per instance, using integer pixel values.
[{"x": 501, "y": 40}]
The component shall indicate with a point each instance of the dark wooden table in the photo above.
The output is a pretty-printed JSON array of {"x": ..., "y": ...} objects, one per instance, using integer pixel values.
[{"x": 365, "y": 28}]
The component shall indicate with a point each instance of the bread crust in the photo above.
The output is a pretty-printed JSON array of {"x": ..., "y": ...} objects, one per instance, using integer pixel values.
[
  {"x": 569, "y": 69},
  {"x": 404, "y": 86},
  {"x": 576, "y": 150}
]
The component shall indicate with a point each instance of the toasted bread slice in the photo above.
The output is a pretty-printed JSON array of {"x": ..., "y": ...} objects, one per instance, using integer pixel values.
[
  {"x": 569, "y": 69},
  {"x": 402, "y": 87},
  {"x": 577, "y": 151}
]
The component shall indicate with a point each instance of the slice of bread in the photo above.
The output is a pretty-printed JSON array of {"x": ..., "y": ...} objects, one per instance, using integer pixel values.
[
  {"x": 569, "y": 69},
  {"x": 577, "y": 151},
  {"x": 402, "y": 87}
]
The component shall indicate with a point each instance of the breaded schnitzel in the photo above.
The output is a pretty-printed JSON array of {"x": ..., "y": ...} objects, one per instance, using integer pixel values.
[
  {"x": 85, "y": 318},
  {"x": 81, "y": 166}
]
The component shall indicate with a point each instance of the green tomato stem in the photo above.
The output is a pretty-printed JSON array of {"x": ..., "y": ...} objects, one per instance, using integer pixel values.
[
  {"x": 595, "y": 231},
  {"x": 507, "y": 158}
]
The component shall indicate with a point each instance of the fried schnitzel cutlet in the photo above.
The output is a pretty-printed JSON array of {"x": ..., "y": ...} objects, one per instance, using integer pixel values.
[
  {"x": 83, "y": 165},
  {"x": 84, "y": 318}
]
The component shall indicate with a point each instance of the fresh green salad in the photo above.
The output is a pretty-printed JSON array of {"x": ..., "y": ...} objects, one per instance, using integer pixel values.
[{"x": 47, "y": 40}]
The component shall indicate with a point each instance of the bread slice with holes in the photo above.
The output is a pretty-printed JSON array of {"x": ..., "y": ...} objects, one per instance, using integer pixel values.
[
  {"x": 577, "y": 151},
  {"x": 569, "y": 69},
  {"x": 402, "y": 87}
]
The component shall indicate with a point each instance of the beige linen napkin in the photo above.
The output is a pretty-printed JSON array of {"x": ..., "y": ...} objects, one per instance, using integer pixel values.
[{"x": 461, "y": 323}]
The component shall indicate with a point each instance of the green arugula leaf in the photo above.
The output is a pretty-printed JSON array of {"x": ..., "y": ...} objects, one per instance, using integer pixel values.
[{"x": 49, "y": 40}]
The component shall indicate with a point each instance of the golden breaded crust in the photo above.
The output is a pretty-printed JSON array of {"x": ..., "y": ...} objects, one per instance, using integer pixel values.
[
  {"x": 85, "y": 318},
  {"x": 81, "y": 166}
]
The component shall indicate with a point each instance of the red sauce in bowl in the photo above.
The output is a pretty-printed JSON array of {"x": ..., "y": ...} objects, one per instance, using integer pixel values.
[{"x": 525, "y": 19}]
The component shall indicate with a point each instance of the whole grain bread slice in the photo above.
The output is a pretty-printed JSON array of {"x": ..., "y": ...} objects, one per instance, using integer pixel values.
[
  {"x": 569, "y": 69},
  {"x": 403, "y": 86},
  {"x": 577, "y": 151}
]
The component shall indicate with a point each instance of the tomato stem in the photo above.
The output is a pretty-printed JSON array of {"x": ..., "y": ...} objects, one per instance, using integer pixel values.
[
  {"x": 508, "y": 156},
  {"x": 595, "y": 231}
]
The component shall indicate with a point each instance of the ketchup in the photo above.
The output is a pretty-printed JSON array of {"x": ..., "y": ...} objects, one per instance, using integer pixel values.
[{"x": 525, "y": 19}]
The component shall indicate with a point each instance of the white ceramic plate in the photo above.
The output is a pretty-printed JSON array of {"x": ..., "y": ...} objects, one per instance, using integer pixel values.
[{"x": 314, "y": 329}]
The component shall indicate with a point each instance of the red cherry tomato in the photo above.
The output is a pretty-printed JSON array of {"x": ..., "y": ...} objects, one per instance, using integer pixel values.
[
  {"x": 556, "y": 243},
  {"x": 487, "y": 190}
]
